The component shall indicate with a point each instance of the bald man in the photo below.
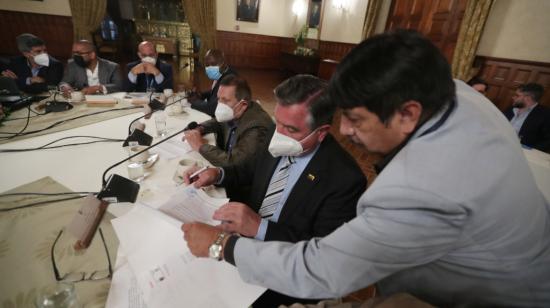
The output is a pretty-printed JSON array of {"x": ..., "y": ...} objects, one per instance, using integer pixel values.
[
  {"x": 148, "y": 74},
  {"x": 89, "y": 73}
]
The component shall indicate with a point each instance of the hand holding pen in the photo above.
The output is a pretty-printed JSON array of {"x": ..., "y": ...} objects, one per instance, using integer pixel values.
[{"x": 201, "y": 177}]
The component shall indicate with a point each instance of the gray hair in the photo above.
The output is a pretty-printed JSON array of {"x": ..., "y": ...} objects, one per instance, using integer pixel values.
[{"x": 26, "y": 41}]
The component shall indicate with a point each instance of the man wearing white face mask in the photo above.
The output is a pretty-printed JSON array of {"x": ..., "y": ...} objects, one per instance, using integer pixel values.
[
  {"x": 34, "y": 70},
  {"x": 242, "y": 127},
  {"x": 149, "y": 73},
  {"x": 305, "y": 185},
  {"x": 216, "y": 69}
]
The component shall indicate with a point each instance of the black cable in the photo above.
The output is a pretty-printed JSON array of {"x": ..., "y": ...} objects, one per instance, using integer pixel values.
[
  {"x": 25, "y": 127},
  {"x": 62, "y": 121},
  {"x": 45, "y": 146},
  {"x": 40, "y": 203},
  {"x": 48, "y": 194}
]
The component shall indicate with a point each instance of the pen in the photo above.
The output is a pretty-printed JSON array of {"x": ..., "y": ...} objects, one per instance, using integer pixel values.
[{"x": 192, "y": 177}]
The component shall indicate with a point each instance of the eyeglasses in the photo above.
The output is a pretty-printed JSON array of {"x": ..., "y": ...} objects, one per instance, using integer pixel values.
[{"x": 82, "y": 276}]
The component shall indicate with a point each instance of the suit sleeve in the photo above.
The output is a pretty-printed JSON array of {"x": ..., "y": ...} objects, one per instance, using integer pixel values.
[
  {"x": 337, "y": 207},
  {"x": 544, "y": 143},
  {"x": 168, "y": 82},
  {"x": 115, "y": 82}
]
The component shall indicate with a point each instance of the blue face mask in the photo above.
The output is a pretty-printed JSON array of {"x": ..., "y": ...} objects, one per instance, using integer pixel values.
[{"x": 213, "y": 72}]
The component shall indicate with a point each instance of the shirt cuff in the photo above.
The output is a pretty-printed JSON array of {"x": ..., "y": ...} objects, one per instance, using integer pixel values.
[
  {"x": 131, "y": 77},
  {"x": 104, "y": 89},
  {"x": 262, "y": 229},
  {"x": 222, "y": 176},
  {"x": 159, "y": 78},
  {"x": 228, "y": 249}
]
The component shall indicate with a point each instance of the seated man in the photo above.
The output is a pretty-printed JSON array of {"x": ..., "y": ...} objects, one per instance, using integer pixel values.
[
  {"x": 241, "y": 125},
  {"x": 149, "y": 74},
  {"x": 530, "y": 119},
  {"x": 216, "y": 69},
  {"x": 305, "y": 186},
  {"x": 34, "y": 70},
  {"x": 89, "y": 73}
]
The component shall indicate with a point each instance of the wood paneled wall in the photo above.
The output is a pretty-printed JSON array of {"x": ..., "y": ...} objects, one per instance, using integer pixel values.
[
  {"x": 57, "y": 31},
  {"x": 505, "y": 75},
  {"x": 264, "y": 52}
]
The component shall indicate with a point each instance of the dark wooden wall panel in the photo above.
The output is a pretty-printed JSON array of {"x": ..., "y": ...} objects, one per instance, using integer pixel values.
[
  {"x": 264, "y": 51},
  {"x": 57, "y": 31},
  {"x": 505, "y": 75}
]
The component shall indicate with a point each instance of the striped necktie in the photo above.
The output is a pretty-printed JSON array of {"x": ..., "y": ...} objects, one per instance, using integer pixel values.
[{"x": 275, "y": 189}]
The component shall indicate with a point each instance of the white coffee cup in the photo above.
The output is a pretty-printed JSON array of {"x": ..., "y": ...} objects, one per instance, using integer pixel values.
[
  {"x": 141, "y": 157},
  {"x": 183, "y": 165},
  {"x": 77, "y": 96},
  {"x": 168, "y": 92}
]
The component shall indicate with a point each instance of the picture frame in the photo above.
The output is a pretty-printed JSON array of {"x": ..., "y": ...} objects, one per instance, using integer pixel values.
[{"x": 248, "y": 10}]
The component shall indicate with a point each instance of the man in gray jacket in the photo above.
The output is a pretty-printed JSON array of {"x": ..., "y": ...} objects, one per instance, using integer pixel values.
[
  {"x": 89, "y": 73},
  {"x": 454, "y": 216}
]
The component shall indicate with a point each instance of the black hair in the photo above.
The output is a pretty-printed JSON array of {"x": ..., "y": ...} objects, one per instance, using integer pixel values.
[
  {"x": 26, "y": 41},
  {"x": 242, "y": 89},
  {"x": 534, "y": 90},
  {"x": 387, "y": 70},
  {"x": 478, "y": 80},
  {"x": 310, "y": 90}
]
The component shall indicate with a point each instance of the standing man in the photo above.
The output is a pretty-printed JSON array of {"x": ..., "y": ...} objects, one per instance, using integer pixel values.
[
  {"x": 241, "y": 126},
  {"x": 34, "y": 70},
  {"x": 149, "y": 74},
  {"x": 89, "y": 73},
  {"x": 216, "y": 69},
  {"x": 454, "y": 216},
  {"x": 530, "y": 119},
  {"x": 305, "y": 185}
]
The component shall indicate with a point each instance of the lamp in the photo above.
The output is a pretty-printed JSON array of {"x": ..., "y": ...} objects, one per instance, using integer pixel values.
[{"x": 298, "y": 7}]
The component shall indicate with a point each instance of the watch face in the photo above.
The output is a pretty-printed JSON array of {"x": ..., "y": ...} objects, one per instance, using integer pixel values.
[{"x": 214, "y": 251}]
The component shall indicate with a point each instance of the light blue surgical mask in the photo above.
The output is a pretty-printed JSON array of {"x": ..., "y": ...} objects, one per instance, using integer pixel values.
[{"x": 213, "y": 72}]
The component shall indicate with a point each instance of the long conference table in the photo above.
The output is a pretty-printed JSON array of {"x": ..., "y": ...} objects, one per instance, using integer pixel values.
[{"x": 26, "y": 236}]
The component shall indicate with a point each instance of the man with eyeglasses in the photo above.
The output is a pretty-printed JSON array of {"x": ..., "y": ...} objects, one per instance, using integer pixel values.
[
  {"x": 34, "y": 70},
  {"x": 89, "y": 73}
]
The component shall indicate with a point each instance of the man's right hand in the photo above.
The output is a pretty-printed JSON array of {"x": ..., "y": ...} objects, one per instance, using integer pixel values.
[
  {"x": 37, "y": 79},
  {"x": 8, "y": 73},
  {"x": 138, "y": 69},
  {"x": 206, "y": 178}
]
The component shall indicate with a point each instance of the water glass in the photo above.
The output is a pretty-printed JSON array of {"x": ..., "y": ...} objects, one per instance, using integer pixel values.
[
  {"x": 160, "y": 123},
  {"x": 135, "y": 171},
  {"x": 59, "y": 295}
]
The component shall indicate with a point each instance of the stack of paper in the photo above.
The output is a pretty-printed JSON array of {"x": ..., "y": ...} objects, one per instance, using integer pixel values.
[{"x": 155, "y": 268}]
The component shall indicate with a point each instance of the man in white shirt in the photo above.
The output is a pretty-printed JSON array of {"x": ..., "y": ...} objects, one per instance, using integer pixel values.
[{"x": 89, "y": 73}]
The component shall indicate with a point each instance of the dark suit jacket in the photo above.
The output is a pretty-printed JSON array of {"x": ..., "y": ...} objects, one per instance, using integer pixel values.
[
  {"x": 209, "y": 99},
  {"x": 535, "y": 131},
  {"x": 141, "y": 83},
  {"x": 52, "y": 74},
  {"x": 324, "y": 197}
]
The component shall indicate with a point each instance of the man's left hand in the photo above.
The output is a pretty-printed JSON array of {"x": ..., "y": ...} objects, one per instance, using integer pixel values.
[
  {"x": 149, "y": 68},
  {"x": 238, "y": 217},
  {"x": 194, "y": 138},
  {"x": 92, "y": 90},
  {"x": 199, "y": 237}
]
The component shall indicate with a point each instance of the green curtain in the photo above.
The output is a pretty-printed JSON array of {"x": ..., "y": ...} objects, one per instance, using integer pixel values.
[
  {"x": 473, "y": 22},
  {"x": 373, "y": 11},
  {"x": 201, "y": 15},
  {"x": 87, "y": 16}
]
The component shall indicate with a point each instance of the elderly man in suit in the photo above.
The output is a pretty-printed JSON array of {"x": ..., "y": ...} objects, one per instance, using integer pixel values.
[
  {"x": 148, "y": 74},
  {"x": 89, "y": 73},
  {"x": 530, "y": 119},
  {"x": 303, "y": 186},
  {"x": 35, "y": 69},
  {"x": 454, "y": 216}
]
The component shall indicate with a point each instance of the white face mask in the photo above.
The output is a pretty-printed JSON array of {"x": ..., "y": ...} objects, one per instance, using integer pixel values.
[
  {"x": 42, "y": 59},
  {"x": 224, "y": 113},
  {"x": 149, "y": 60},
  {"x": 282, "y": 145}
]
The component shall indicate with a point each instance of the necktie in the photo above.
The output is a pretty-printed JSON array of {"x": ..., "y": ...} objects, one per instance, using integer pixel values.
[
  {"x": 275, "y": 189},
  {"x": 230, "y": 140}
]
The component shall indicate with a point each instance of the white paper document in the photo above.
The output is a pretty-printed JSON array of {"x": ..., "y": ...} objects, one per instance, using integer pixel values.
[
  {"x": 189, "y": 204},
  {"x": 167, "y": 273},
  {"x": 174, "y": 148}
]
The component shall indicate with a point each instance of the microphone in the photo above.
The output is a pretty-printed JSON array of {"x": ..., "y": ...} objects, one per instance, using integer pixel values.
[
  {"x": 121, "y": 189},
  {"x": 191, "y": 125}
]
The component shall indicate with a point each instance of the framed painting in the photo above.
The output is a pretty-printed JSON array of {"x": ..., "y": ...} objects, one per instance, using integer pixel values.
[{"x": 248, "y": 10}]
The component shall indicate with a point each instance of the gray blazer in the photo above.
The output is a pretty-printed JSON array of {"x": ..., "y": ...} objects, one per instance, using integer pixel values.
[
  {"x": 108, "y": 73},
  {"x": 455, "y": 218}
]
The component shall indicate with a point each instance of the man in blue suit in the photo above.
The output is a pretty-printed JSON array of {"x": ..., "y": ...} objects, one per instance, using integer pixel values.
[{"x": 149, "y": 73}]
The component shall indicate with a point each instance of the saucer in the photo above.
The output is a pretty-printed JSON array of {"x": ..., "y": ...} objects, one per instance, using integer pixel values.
[{"x": 150, "y": 161}]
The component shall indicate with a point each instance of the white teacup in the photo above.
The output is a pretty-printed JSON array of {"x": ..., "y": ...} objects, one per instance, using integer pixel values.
[
  {"x": 183, "y": 165},
  {"x": 141, "y": 158},
  {"x": 77, "y": 96},
  {"x": 168, "y": 92}
]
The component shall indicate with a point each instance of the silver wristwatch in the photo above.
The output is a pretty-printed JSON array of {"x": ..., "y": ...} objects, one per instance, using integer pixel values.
[{"x": 215, "y": 250}]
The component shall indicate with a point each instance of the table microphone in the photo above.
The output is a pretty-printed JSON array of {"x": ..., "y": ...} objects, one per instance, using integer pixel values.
[
  {"x": 139, "y": 135},
  {"x": 121, "y": 189}
]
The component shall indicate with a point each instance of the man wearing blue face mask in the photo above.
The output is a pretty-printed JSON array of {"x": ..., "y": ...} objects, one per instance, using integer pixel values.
[
  {"x": 149, "y": 74},
  {"x": 241, "y": 126},
  {"x": 216, "y": 69},
  {"x": 34, "y": 70},
  {"x": 303, "y": 186}
]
